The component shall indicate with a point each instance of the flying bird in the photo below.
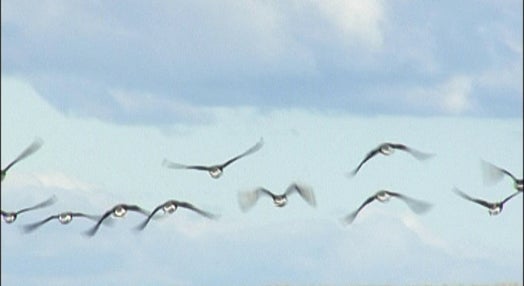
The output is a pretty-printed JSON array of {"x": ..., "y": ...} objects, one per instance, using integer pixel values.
[
  {"x": 248, "y": 199},
  {"x": 10, "y": 217},
  {"x": 63, "y": 218},
  {"x": 383, "y": 196},
  {"x": 494, "y": 208},
  {"x": 170, "y": 207},
  {"x": 388, "y": 149},
  {"x": 215, "y": 171},
  {"x": 492, "y": 174},
  {"x": 37, "y": 143},
  {"x": 119, "y": 210}
]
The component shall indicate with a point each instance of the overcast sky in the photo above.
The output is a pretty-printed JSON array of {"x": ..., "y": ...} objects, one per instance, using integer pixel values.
[{"x": 113, "y": 88}]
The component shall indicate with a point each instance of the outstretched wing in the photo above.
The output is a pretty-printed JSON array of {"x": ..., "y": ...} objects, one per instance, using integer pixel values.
[
  {"x": 510, "y": 197},
  {"x": 32, "y": 226},
  {"x": 143, "y": 225},
  {"x": 415, "y": 153},
  {"x": 92, "y": 231},
  {"x": 304, "y": 191},
  {"x": 417, "y": 206},
  {"x": 247, "y": 199},
  {"x": 197, "y": 210},
  {"x": 43, "y": 204},
  {"x": 251, "y": 150},
  {"x": 172, "y": 165},
  {"x": 469, "y": 198},
  {"x": 37, "y": 143},
  {"x": 492, "y": 174},
  {"x": 369, "y": 155},
  {"x": 351, "y": 217}
]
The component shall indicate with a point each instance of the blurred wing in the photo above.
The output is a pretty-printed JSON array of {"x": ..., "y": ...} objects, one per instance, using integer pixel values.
[
  {"x": 475, "y": 200},
  {"x": 415, "y": 153},
  {"x": 417, "y": 206},
  {"x": 92, "y": 231},
  {"x": 138, "y": 209},
  {"x": 511, "y": 196},
  {"x": 88, "y": 216},
  {"x": 351, "y": 217},
  {"x": 32, "y": 226},
  {"x": 37, "y": 143},
  {"x": 370, "y": 155},
  {"x": 172, "y": 165},
  {"x": 304, "y": 191},
  {"x": 492, "y": 174},
  {"x": 251, "y": 150},
  {"x": 43, "y": 204},
  {"x": 143, "y": 225},
  {"x": 247, "y": 200},
  {"x": 199, "y": 211}
]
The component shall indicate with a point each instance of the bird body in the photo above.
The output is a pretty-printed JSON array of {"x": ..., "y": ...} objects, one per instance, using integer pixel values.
[
  {"x": 63, "y": 218},
  {"x": 388, "y": 149},
  {"x": 10, "y": 217},
  {"x": 118, "y": 211},
  {"x": 383, "y": 196},
  {"x": 494, "y": 208},
  {"x": 215, "y": 171},
  {"x": 170, "y": 207},
  {"x": 248, "y": 199}
]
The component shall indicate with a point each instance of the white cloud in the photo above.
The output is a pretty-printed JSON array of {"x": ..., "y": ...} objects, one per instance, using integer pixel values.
[
  {"x": 359, "y": 21},
  {"x": 456, "y": 94},
  {"x": 453, "y": 96}
]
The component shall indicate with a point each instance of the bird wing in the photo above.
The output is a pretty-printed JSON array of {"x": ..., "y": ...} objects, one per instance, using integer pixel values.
[
  {"x": 469, "y": 198},
  {"x": 143, "y": 224},
  {"x": 37, "y": 143},
  {"x": 369, "y": 155},
  {"x": 415, "y": 153},
  {"x": 510, "y": 197},
  {"x": 137, "y": 209},
  {"x": 92, "y": 231},
  {"x": 491, "y": 173},
  {"x": 172, "y": 165},
  {"x": 193, "y": 208},
  {"x": 88, "y": 216},
  {"x": 415, "y": 205},
  {"x": 43, "y": 204},
  {"x": 251, "y": 150},
  {"x": 32, "y": 226},
  {"x": 351, "y": 217},
  {"x": 247, "y": 199},
  {"x": 304, "y": 191}
]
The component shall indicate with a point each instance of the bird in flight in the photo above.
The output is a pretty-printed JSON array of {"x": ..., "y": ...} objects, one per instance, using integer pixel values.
[
  {"x": 494, "y": 208},
  {"x": 10, "y": 217},
  {"x": 119, "y": 210},
  {"x": 170, "y": 207},
  {"x": 63, "y": 218},
  {"x": 383, "y": 196},
  {"x": 248, "y": 199},
  {"x": 492, "y": 174},
  {"x": 215, "y": 171},
  {"x": 388, "y": 149},
  {"x": 37, "y": 143}
]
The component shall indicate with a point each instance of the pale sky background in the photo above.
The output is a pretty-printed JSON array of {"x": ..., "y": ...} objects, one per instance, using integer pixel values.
[{"x": 113, "y": 88}]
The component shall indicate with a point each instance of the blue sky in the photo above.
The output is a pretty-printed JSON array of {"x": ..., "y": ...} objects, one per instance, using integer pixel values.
[{"x": 113, "y": 88}]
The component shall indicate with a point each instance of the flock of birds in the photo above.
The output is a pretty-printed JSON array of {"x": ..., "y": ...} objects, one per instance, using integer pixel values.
[{"x": 248, "y": 199}]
